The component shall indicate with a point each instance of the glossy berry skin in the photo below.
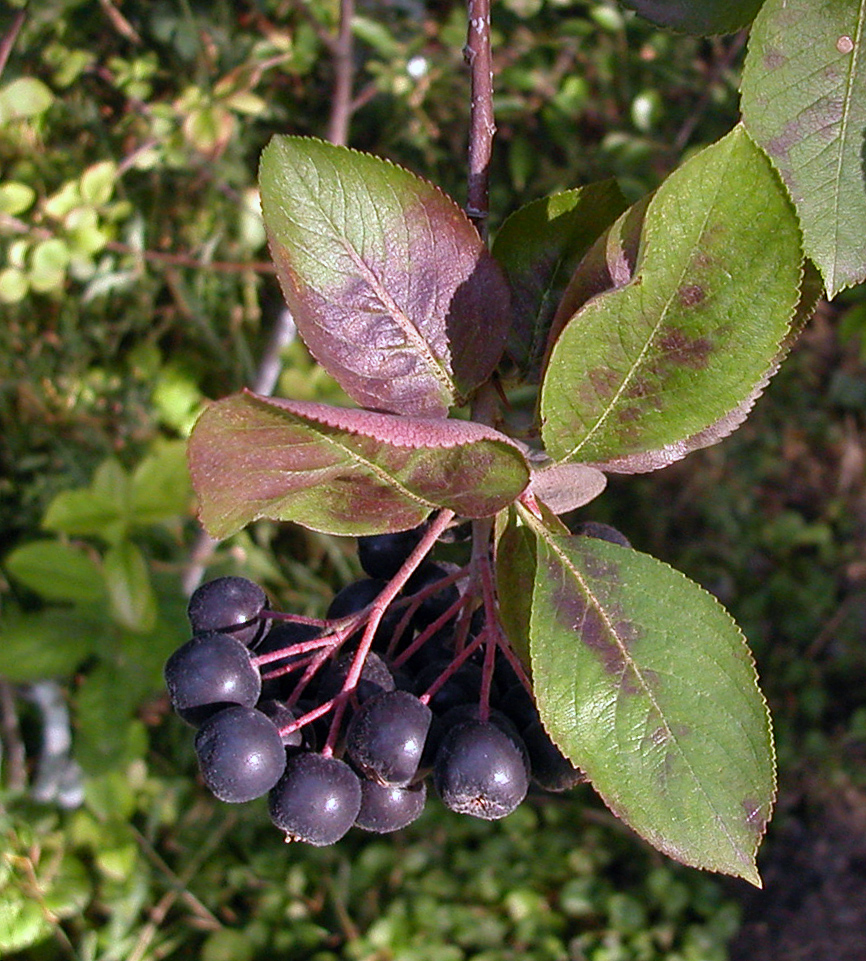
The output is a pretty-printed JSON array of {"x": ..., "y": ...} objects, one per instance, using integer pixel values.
[
  {"x": 316, "y": 800},
  {"x": 386, "y": 736},
  {"x": 382, "y": 555},
  {"x": 232, "y": 605},
  {"x": 282, "y": 716},
  {"x": 385, "y": 808},
  {"x": 479, "y": 770},
  {"x": 208, "y": 673},
  {"x": 375, "y": 678},
  {"x": 551, "y": 770},
  {"x": 240, "y": 754}
]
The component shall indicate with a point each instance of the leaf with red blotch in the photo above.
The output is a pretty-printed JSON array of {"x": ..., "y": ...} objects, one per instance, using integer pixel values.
[
  {"x": 342, "y": 470},
  {"x": 389, "y": 283}
]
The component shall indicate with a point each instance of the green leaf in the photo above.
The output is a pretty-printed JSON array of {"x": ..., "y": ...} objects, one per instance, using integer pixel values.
[
  {"x": 388, "y": 281},
  {"x": 49, "y": 643},
  {"x": 702, "y": 17},
  {"x": 804, "y": 102},
  {"x": 130, "y": 594},
  {"x": 23, "y": 98},
  {"x": 58, "y": 572},
  {"x": 515, "y": 570},
  {"x": 539, "y": 246},
  {"x": 344, "y": 471},
  {"x": 160, "y": 489},
  {"x": 645, "y": 683},
  {"x": 22, "y": 922},
  {"x": 698, "y": 326},
  {"x": 107, "y": 735},
  {"x": 15, "y": 197},
  {"x": 101, "y": 509}
]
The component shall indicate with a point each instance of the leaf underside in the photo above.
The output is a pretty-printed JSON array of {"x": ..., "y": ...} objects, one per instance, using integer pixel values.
[
  {"x": 664, "y": 360},
  {"x": 344, "y": 471},
  {"x": 804, "y": 102},
  {"x": 646, "y": 683},
  {"x": 389, "y": 283},
  {"x": 702, "y": 17}
]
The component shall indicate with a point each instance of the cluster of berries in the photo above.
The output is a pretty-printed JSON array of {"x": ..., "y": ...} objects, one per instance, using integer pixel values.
[{"x": 341, "y": 726}]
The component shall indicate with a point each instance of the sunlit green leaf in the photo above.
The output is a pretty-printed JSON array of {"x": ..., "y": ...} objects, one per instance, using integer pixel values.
[
  {"x": 698, "y": 325},
  {"x": 56, "y": 571},
  {"x": 804, "y": 101},
  {"x": 130, "y": 594},
  {"x": 646, "y": 683}
]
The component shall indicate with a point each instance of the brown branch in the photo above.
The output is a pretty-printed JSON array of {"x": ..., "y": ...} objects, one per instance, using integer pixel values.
[
  {"x": 8, "y": 41},
  {"x": 343, "y": 52},
  {"x": 481, "y": 123}
]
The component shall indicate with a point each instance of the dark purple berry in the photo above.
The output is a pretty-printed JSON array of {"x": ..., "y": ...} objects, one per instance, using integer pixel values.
[
  {"x": 551, "y": 770},
  {"x": 386, "y": 736},
  {"x": 232, "y": 605},
  {"x": 375, "y": 677},
  {"x": 240, "y": 754},
  {"x": 283, "y": 634},
  {"x": 434, "y": 606},
  {"x": 480, "y": 771},
  {"x": 282, "y": 716},
  {"x": 208, "y": 673},
  {"x": 382, "y": 555},
  {"x": 316, "y": 800},
  {"x": 385, "y": 808}
]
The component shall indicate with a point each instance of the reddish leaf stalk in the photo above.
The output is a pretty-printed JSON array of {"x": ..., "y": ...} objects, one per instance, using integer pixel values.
[
  {"x": 379, "y": 606},
  {"x": 453, "y": 667},
  {"x": 481, "y": 122}
]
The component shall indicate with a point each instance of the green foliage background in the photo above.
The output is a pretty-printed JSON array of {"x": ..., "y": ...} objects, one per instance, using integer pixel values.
[{"x": 134, "y": 284}]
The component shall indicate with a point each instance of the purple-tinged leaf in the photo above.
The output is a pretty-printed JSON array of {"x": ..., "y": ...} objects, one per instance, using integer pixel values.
[
  {"x": 565, "y": 487},
  {"x": 609, "y": 263},
  {"x": 539, "y": 246},
  {"x": 697, "y": 328},
  {"x": 389, "y": 283},
  {"x": 644, "y": 681},
  {"x": 344, "y": 471}
]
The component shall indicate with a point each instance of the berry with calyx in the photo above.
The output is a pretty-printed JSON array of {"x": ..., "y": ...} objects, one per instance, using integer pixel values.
[
  {"x": 316, "y": 800},
  {"x": 479, "y": 770},
  {"x": 386, "y": 808},
  {"x": 386, "y": 736},
  {"x": 208, "y": 673},
  {"x": 240, "y": 754},
  {"x": 382, "y": 555},
  {"x": 232, "y": 605}
]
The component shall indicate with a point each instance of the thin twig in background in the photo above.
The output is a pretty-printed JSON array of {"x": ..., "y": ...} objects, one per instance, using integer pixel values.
[
  {"x": 481, "y": 123},
  {"x": 13, "y": 755},
  {"x": 343, "y": 53},
  {"x": 8, "y": 41},
  {"x": 343, "y": 106}
]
